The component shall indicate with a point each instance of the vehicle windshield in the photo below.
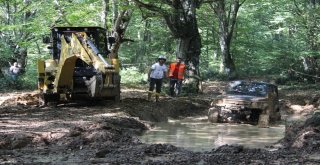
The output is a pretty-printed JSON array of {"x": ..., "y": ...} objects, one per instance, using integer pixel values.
[{"x": 244, "y": 88}]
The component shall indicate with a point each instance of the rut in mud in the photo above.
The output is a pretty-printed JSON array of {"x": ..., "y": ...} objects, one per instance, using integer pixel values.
[{"x": 101, "y": 133}]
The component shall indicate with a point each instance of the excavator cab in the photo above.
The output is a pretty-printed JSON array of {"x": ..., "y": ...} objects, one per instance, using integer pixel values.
[{"x": 81, "y": 65}]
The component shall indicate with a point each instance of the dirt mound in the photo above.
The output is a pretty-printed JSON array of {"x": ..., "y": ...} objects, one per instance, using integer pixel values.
[
  {"x": 167, "y": 107},
  {"x": 24, "y": 98},
  {"x": 106, "y": 131},
  {"x": 303, "y": 135},
  {"x": 14, "y": 141}
]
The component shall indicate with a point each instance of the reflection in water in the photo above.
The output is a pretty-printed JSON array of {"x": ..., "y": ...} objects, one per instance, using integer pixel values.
[{"x": 199, "y": 135}]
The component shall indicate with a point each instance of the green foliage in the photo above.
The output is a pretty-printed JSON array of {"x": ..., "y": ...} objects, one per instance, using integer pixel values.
[
  {"x": 269, "y": 39},
  {"x": 29, "y": 79},
  {"x": 262, "y": 46},
  {"x": 148, "y": 41},
  {"x": 132, "y": 75},
  {"x": 25, "y": 81},
  {"x": 5, "y": 55}
]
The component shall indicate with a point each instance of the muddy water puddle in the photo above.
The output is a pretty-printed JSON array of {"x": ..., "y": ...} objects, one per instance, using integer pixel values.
[{"x": 200, "y": 135}]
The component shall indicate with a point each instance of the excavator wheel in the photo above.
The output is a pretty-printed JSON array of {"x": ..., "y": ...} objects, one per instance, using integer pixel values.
[
  {"x": 117, "y": 98},
  {"x": 42, "y": 100},
  {"x": 45, "y": 99},
  {"x": 95, "y": 85}
]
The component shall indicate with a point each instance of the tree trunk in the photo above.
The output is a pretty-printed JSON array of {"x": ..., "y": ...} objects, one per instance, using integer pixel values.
[
  {"x": 311, "y": 67},
  {"x": 182, "y": 22},
  {"x": 227, "y": 22},
  {"x": 20, "y": 53},
  {"x": 183, "y": 25},
  {"x": 312, "y": 25},
  {"x": 227, "y": 64},
  {"x": 114, "y": 11},
  {"x": 22, "y": 58},
  {"x": 145, "y": 35},
  {"x": 119, "y": 29},
  {"x": 104, "y": 13}
]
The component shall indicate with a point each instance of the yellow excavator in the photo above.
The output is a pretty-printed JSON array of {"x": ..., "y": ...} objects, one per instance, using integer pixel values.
[{"x": 81, "y": 66}]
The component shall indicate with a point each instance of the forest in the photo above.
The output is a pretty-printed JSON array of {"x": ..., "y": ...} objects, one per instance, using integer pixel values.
[
  {"x": 43, "y": 122},
  {"x": 223, "y": 39}
]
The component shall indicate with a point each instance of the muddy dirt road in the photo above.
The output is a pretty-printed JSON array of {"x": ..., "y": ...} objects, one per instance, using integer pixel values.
[{"x": 106, "y": 133}]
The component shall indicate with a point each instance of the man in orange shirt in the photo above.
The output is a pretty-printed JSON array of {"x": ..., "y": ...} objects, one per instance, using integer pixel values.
[{"x": 176, "y": 75}]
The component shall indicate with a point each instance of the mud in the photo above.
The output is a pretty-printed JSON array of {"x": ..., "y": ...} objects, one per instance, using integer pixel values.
[{"x": 106, "y": 133}]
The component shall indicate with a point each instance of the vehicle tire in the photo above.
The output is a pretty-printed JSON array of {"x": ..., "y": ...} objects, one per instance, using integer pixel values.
[
  {"x": 276, "y": 116},
  {"x": 42, "y": 100},
  {"x": 48, "y": 99},
  {"x": 116, "y": 99},
  {"x": 213, "y": 114},
  {"x": 264, "y": 120}
]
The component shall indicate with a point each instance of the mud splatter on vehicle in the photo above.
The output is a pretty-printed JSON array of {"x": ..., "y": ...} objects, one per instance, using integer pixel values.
[{"x": 246, "y": 102}]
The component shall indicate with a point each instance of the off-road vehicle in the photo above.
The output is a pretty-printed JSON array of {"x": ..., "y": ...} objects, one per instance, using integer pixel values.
[{"x": 246, "y": 102}]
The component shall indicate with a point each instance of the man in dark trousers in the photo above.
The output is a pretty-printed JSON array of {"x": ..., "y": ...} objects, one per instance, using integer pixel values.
[
  {"x": 176, "y": 75},
  {"x": 14, "y": 71},
  {"x": 156, "y": 73}
]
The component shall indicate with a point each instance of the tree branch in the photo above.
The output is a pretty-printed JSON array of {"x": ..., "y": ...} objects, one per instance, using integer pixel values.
[
  {"x": 127, "y": 40},
  {"x": 299, "y": 12},
  {"x": 207, "y": 1},
  {"x": 168, "y": 2},
  {"x": 236, "y": 7},
  {"x": 241, "y": 3},
  {"x": 150, "y": 7},
  {"x": 62, "y": 12}
]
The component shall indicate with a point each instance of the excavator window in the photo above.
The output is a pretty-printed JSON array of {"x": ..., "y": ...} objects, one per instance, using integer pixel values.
[{"x": 96, "y": 34}]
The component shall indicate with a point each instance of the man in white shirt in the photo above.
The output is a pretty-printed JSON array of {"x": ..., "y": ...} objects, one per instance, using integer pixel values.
[
  {"x": 155, "y": 76},
  {"x": 14, "y": 71}
]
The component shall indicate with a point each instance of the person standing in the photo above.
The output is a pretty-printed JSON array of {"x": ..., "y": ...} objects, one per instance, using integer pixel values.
[
  {"x": 14, "y": 71},
  {"x": 176, "y": 75},
  {"x": 155, "y": 76}
]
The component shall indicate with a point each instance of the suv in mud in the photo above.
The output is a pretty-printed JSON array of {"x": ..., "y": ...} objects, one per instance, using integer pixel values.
[{"x": 246, "y": 102}]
